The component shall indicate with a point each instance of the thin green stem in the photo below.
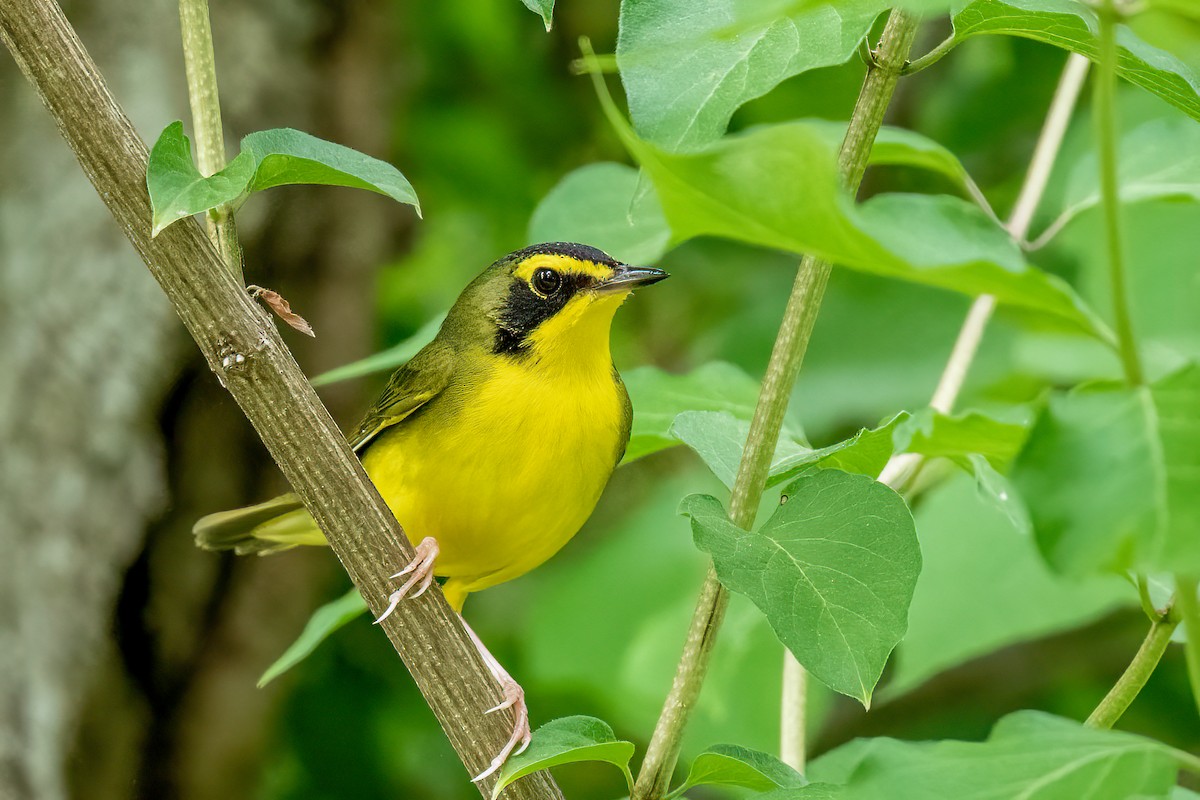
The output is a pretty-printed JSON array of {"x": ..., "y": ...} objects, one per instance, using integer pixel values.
[
  {"x": 1104, "y": 106},
  {"x": 1136, "y": 674},
  {"x": 1189, "y": 614},
  {"x": 201, "y": 69},
  {"x": 786, "y": 358},
  {"x": 932, "y": 57}
]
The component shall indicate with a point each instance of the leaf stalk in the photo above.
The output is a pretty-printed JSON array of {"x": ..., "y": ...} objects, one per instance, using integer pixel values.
[
  {"x": 786, "y": 357},
  {"x": 1104, "y": 102},
  {"x": 200, "y": 65},
  {"x": 1127, "y": 687}
]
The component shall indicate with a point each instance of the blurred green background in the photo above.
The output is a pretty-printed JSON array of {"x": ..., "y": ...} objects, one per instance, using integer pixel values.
[{"x": 143, "y": 672}]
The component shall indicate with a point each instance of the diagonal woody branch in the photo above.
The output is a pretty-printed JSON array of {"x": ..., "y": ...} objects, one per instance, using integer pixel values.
[{"x": 246, "y": 352}]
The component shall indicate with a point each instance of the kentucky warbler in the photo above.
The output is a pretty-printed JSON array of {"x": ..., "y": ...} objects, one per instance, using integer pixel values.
[{"x": 493, "y": 444}]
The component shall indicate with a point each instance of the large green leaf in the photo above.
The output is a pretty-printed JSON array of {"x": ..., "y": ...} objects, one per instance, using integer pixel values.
[
  {"x": 658, "y": 397},
  {"x": 731, "y": 765},
  {"x": 687, "y": 66},
  {"x": 833, "y": 570},
  {"x": 268, "y": 158},
  {"x": 984, "y": 586},
  {"x": 602, "y": 204},
  {"x": 568, "y": 740},
  {"x": 321, "y": 625},
  {"x": 1072, "y": 25},
  {"x": 1111, "y": 476},
  {"x": 1159, "y": 160},
  {"x": 1029, "y": 755},
  {"x": 778, "y": 186},
  {"x": 610, "y": 206}
]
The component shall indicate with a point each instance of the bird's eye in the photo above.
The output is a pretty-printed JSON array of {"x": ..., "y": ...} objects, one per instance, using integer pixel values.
[{"x": 546, "y": 282}]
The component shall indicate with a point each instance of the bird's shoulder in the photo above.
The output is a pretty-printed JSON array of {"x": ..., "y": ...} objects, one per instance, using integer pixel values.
[{"x": 416, "y": 383}]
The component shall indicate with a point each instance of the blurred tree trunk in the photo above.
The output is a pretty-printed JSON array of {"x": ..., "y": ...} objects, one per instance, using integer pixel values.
[{"x": 128, "y": 659}]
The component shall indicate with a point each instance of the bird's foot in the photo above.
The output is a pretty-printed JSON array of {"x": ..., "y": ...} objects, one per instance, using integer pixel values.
[
  {"x": 514, "y": 698},
  {"x": 420, "y": 572}
]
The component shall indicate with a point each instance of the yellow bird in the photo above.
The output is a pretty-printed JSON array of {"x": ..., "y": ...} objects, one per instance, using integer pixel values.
[{"x": 493, "y": 444}]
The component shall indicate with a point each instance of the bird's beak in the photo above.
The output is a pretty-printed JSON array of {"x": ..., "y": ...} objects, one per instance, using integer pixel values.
[{"x": 625, "y": 278}]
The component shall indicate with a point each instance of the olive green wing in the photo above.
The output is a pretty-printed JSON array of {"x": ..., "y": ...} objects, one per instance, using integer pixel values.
[{"x": 412, "y": 386}]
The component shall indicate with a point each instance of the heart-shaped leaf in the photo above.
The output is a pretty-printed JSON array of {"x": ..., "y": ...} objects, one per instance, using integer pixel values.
[{"x": 833, "y": 569}]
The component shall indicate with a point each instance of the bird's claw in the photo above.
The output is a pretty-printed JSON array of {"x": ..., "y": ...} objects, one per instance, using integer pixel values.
[
  {"x": 514, "y": 698},
  {"x": 421, "y": 569}
]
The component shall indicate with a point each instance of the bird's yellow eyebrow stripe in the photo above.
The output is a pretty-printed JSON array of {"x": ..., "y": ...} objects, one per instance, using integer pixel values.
[{"x": 561, "y": 263}]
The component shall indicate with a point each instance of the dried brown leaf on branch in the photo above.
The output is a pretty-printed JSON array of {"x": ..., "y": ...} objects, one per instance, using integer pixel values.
[{"x": 281, "y": 307}]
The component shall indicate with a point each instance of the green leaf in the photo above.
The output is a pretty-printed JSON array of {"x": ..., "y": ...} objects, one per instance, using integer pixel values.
[
  {"x": 321, "y": 625},
  {"x": 1029, "y": 754},
  {"x": 658, "y": 397},
  {"x": 178, "y": 190},
  {"x": 983, "y": 586},
  {"x": 568, "y": 740},
  {"x": 687, "y": 66},
  {"x": 545, "y": 10},
  {"x": 268, "y": 158},
  {"x": 610, "y": 206},
  {"x": 778, "y": 186},
  {"x": 957, "y": 437},
  {"x": 1073, "y": 26},
  {"x": 1111, "y": 476},
  {"x": 602, "y": 204},
  {"x": 1159, "y": 160},
  {"x": 833, "y": 570},
  {"x": 731, "y": 765},
  {"x": 283, "y": 156},
  {"x": 394, "y": 357}
]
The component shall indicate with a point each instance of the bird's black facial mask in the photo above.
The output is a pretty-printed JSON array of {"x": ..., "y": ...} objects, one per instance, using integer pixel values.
[{"x": 525, "y": 308}]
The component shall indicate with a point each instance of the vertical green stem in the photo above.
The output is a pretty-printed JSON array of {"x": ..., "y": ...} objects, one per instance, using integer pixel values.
[
  {"x": 1189, "y": 614},
  {"x": 1136, "y": 674},
  {"x": 1104, "y": 106},
  {"x": 786, "y": 358},
  {"x": 200, "y": 66}
]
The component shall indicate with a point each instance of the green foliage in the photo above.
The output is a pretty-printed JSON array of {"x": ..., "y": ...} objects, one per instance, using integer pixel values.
[
  {"x": 686, "y": 69},
  {"x": 568, "y": 740},
  {"x": 833, "y": 570},
  {"x": 1072, "y": 25},
  {"x": 778, "y": 186},
  {"x": 321, "y": 625},
  {"x": 983, "y": 587},
  {"x": 731, "y": 765},
  {"x": 268, "y": 158},
  {"x": 1029, "y": 754},
  {"x": 604, "y": 205},
  {"x": 658, "y": 397},
  {"x": 1159, "y": 160},
  {"x": 1110, "y": 475}
]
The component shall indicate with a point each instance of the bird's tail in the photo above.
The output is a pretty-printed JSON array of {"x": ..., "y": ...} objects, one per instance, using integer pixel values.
[{"x": 269, "y": 527}]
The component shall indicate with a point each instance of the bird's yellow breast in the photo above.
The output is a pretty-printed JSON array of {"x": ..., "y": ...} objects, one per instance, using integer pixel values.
[{"x": 506, "y": 467}]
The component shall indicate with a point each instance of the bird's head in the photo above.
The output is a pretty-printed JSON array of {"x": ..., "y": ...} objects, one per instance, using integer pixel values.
[{"x": 555, "y": 298}]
